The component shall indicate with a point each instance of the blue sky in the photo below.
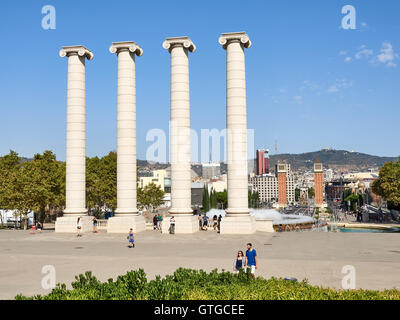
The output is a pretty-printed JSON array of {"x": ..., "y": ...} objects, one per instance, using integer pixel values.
[{"x": 310, "y": 83}]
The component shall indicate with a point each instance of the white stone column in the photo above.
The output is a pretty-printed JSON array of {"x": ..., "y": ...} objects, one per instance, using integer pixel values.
[
  {"x": 181, "y": 209},
  {"x": 238, "y": 219},
  {"x": 75, "y": 196},
  {"x": 126, "y": 216}
]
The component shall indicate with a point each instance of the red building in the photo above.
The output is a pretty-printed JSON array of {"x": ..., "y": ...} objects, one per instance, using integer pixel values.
[
  {"x": 318, "y": 183},
  {"x": 262, "y": 162},
  {"x": 281, "y": 169}
]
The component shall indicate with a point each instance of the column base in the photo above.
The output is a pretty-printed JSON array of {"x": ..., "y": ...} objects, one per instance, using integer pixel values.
[
  {"x": 238, "y": 224},
  {"x": 122, "y": 224},
  {"x": 68, "y": 223},
  {"x": 184, "y": 224}
]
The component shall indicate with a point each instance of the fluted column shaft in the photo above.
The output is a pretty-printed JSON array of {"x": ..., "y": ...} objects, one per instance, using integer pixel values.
[
  {"x": 126, "y": 133},
  {"x": 236, "y": 122},
  {"x": 76, "y": 130},
  {"x": 180, "y": 125}
]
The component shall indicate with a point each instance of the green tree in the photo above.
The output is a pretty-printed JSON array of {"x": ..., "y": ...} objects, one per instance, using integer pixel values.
[
  {"x": 150, "y": 197},
  {"x": 222, "y": 199},
  {"x": 36, "y": 185},
  {"x": 213, "y": 199},
  {"x": 388, "y": 183},
  {"x": 297, "y": 194},
  {"x": 253, "y": 199},
  {"x": 45, "y": 179},
  {"x": 101, "y": 182},
  {"x": 206, "y": 199},
  {"x": 9, "y": 165},
  {"x": 353, "y": 198},
  {"x": 311, "y": 193}
]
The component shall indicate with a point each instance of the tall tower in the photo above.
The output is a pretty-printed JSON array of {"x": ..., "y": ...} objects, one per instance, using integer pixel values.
[
  {"x": 260, "y": 162},
  {"x": 281, "y": 171},
  {"x": 318, "y": 183},
  {"x": 266, "y": 161}
]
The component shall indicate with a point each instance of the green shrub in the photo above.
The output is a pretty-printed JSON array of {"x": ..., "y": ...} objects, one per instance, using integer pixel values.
[{"x": 190, "y": 284}]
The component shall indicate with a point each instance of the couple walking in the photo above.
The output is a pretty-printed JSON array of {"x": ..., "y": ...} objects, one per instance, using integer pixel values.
[{"x": 246, "y": 262}]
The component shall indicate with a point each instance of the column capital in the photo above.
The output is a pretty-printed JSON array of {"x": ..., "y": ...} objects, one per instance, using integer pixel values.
[
  {"x": 226, "y": 38},
  {"x": 185, "y": 42},
  {"x": 79, "y": 50},
  {"x": 129, "y": 45}
]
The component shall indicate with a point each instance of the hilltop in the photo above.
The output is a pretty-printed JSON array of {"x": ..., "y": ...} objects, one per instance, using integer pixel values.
[{"x": 335, "y": 159}]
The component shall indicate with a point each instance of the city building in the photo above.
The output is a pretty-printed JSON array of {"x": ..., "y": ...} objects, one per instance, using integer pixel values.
[
  {"x": 318, "y": 183},
  {"x": 275, "y": 189},
  {"x": 159, "y": 177},
  {"x": 211, "y": 170},
  {"x": 262, "y": 162}
]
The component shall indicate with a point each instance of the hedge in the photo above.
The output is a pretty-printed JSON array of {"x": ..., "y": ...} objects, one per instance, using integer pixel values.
[{"x": 188, "y": 284}]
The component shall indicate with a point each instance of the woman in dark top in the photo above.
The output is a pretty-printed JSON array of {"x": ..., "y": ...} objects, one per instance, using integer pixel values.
[
  {"x": 155, "y": 222},
  {"x": 239, "y": 262}
]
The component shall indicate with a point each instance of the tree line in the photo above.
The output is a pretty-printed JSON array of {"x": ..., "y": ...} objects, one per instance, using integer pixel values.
[
  {"x": 38, "y": 185},
  {"x": 219, "y": 200}
]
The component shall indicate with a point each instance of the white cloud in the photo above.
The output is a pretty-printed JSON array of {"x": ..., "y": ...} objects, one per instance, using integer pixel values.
[
  {"x": 347, "y": 59},
  {"x": 342, "y": 53},
  {"x": 340, "y": 84},
  {"x": 387, "y": 55},
  {"x": 363, "y": 52}
]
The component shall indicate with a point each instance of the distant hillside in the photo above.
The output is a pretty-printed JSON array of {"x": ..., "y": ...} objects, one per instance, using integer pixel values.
[{"x": 336, "y": 159}]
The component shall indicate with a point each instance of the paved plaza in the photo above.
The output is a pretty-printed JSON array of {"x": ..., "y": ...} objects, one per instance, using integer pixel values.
[{"x": 319, "y": 257}]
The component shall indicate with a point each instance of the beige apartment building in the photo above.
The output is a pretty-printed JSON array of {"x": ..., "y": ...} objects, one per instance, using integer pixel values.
[
  {"x": 267, "y": 187},
  {"x": 159, "y": 178}
]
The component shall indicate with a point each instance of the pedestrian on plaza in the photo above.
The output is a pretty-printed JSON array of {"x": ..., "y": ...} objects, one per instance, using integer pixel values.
[
  {"x": 159, "y": 221},
  {"x": 78, "y": 227},
  {"x": 205, "y": 222},
  {"x": 251, "y": 259},
  {"x": 155, "y": 222},
  {"x": 219, "y": 222},
  {"x": 39, "y": 227},
  {"x": 200, "y": 222},
  {"x": 131, "y": 238},
  {"x": 172, "y": 225},
  {"x": 215, "y": 220},
  {"x": 239, "y": 262},
  {"x": 94, "y": 225}
]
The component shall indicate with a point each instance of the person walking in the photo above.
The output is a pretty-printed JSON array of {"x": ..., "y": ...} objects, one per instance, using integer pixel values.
[
  {"x": 155, "y": 222},
  {"x": 172, "y": 225},
  {"x": 159, "y": 221},
  {"x": 215, "y": 222},
  {"x": 205, "y": 222},
  {"x": 200, "y": 222},
  {"x": 251, "y": 259},
  {"x": 131, "y": 238},
  {"x": 94, "y": 220},
  {"x": 78, "y": 227},
  {"x": 219, "y": 222},
  {"x": 239, "y": 262},
  {"x": 39, "y": 227}
]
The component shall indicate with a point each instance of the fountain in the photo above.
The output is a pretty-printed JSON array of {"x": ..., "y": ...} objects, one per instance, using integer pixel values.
[{"x": 270, "y": 220}]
